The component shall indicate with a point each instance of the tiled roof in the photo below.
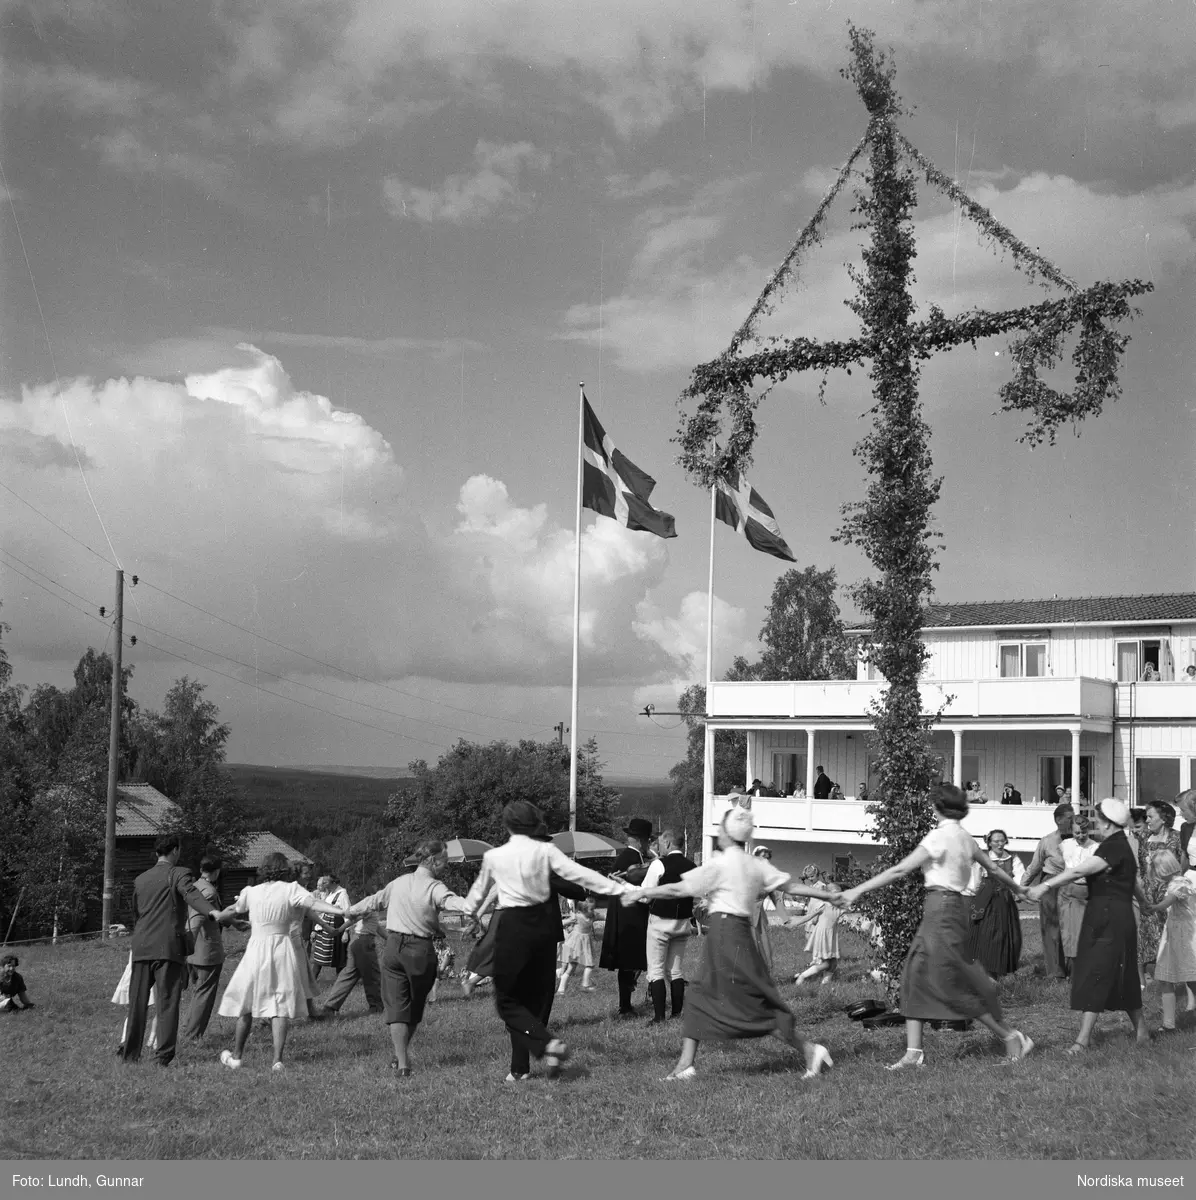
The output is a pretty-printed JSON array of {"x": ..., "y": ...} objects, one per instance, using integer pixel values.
[
  {"x": 1083, "y": 610},
  {"x": 141, "y": 810},
  {"x": 263, "y": 842}
]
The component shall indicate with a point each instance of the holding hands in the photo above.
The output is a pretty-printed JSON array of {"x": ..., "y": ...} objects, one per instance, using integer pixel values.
[
  {"x": 633, "y": 895},
  {"x": 1036, "y": 893}
]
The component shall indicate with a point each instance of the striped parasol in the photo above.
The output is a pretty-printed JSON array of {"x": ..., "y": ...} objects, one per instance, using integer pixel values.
[{"x": 586, "y": 845}]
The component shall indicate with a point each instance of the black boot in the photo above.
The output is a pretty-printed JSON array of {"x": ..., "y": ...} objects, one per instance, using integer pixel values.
[
  {"x": 626, "y": 987},
  {"x": 656, "y": 991},
  {"x": 677, "y": 995}
]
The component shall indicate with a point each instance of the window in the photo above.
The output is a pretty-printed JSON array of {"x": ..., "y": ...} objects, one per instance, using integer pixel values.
[
  {"x": 1019, "y": 659},
  {"x": 842, "y": 868},
  {"x": 1055, "y": 771},
  {"x": 788, "y": 769},
  {"x": 1149, "y": 658},
  {"x": 1157, "y": 779}
]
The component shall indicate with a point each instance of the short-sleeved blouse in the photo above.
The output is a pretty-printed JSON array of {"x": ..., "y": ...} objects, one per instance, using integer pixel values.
[
  {"x": 733, "y": 881},
  {"x": 1117, "y": 883},
  {"x": 272, "y": 906},
  {"x": 951, "y": 849}
]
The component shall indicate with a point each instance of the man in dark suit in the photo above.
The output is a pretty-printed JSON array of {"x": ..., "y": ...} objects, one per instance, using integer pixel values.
[
  {"x": 822, "y": 785},
  {"x": 625, "y": 938},
  {"x": 206, "y": 959},
  {"x": 161, "y": 896},
  {"x": 1011, "y": 795}
]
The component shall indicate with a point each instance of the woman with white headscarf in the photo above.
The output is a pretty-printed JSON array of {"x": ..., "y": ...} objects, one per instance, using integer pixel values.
[
  {"x": 733, "y": 995},
  {"x": 1105, "y": 975}
]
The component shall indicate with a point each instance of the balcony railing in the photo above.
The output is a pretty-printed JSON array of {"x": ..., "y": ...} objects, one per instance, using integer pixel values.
[
  {"x": 1156, "y": 701},
  {"x": 847, "y": 699}
]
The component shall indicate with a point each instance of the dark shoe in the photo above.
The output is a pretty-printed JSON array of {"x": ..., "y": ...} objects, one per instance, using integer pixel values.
[
  {"x": 677, "y": 996},
  {"x": 403, "y": 1072},
  {"x": 656, "y": 990}
]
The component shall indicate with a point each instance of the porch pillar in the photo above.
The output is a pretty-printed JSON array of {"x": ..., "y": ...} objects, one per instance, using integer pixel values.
[
  {"x": 957, "y": 765},
  {"x": 704, "y": 839},
  {"x": 809, "y": 779},
  {"x": 748, "y": 763},
  {"x": 1075, "y": 770}
]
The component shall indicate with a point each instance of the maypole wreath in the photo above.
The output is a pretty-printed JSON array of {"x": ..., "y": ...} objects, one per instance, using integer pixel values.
[{"x": 892, "y": 524}]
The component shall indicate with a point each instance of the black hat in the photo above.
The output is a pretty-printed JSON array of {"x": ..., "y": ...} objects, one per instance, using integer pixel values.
[
  {"x": 639, "y": 828},
  {"x": 522, "y": 816}
]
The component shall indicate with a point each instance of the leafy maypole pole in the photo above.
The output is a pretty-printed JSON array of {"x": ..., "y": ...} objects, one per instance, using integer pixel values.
[{"x": 892, "y": 524}]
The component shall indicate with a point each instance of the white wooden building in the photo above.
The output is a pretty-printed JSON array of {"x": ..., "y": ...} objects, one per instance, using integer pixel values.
[{"x": 1033, "y": 693}]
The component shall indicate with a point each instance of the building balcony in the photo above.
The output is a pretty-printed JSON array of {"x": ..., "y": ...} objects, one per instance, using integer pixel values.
[
  {"x": 973, "y": 701},
  {"x": 1156, "y": 701},
  {"x": 847, "y": 822}
]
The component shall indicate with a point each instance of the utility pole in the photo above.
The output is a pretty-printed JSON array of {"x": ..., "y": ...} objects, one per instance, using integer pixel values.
[
  {"x": 113, "y": 757},
  {"x": 560, "y": 731}
]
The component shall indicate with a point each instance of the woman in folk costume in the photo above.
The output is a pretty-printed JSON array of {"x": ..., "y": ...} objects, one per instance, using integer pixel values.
[
  {"x": 733, "y": 995},
  {"x": 329, "y": 948},
  {"x": 625, "y": 937},
  {"x": 1105, "y": 978},
  {"x": 939, "y": 980},
  {"x": 270, "y": 981},
  {"x": 996, "y": 942},
  {"x": 528, "y": 930}
]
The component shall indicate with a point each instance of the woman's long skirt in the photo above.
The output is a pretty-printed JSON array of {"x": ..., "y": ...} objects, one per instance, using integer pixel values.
[
  {"x": 762, "y": 937},
  {"x": 996, "y": 941},
  {"x": 733, "y": 995},
  {"x": 481, "y": 957},
  {"x": 1104, "y": 977},
  {"x": 1073, "y": 899},
  {"x": 939, "y": 981}
]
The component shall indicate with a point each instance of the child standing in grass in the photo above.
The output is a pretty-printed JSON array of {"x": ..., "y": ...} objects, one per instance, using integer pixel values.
[
  {"x": 13, "y": 996},
  {"x": 578, "y": 948},
  {"x": 824, "y": 946},
  {"x": 1176, "y": 964}
]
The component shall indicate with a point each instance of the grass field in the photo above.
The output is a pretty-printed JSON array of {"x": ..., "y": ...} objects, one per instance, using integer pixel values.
[{"x": 65, "y": 1096}]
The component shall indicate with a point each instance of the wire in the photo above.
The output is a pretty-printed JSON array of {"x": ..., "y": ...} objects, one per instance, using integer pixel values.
[
  {"x": 54, "y": 366},
  {"x": 36, "y": 571},
  {"x": 89, "y": 549}
]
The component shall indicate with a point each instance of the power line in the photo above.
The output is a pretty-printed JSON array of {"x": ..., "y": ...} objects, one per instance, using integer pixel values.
[{"x": 34, "y": 508}]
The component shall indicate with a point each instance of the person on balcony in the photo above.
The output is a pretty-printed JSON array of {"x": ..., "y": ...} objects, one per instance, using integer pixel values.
[
  {"x": 975, "y": 793},
  {"x": 1046, "y": 863},
  {"x": 822, "y": 785},
  {"x": 938, "y": 981},
  {"x": 1190, "y": 673},
  {"x": 1150, "y": 673},
  {"x": 1011, "y": 795},
  {"x": 799, "y": 791}
]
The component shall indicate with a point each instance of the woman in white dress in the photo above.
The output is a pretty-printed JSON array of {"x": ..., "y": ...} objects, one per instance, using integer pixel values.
[
  {"x": 1073, "y": 897},
  {"x": 271, "y": 981},
  {"x": 1175, "y": 968}
]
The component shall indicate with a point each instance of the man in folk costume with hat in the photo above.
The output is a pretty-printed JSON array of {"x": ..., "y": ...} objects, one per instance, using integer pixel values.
[{"x": 625, "y": 938}]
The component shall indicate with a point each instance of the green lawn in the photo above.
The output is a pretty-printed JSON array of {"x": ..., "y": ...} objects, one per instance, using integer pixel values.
[{"x": 65, "y": 1095}]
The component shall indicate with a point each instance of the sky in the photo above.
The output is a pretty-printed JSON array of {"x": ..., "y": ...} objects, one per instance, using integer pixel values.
[{"x": 297, "y": 295}]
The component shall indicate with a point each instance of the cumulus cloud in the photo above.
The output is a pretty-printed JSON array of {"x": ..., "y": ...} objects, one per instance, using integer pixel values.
[
  {"x": 683, "y": 637},
  {"x": 468, "y": 199},
  {"x": 623, "y": 187},
  {"x": 263, "y": 502}
]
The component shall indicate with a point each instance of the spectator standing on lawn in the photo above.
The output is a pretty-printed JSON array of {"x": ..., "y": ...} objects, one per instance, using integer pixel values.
[
  {"x": 270, "y": 982},
  {"x": 206, "y": 960},
  {"x": 1159, "y": 855},
  {"x": 1176, "y": 965},
  {"x": 1106, "y": 976},
  {"x": 161, "y": 897},
  {"x": 939, "y": 980},
  {"x": 579, "y": 947}
]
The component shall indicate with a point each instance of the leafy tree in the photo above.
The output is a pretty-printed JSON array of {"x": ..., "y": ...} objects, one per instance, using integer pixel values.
[
  {"x": 803, "y": 632},
  {"x": 210, "y": 815},
  {"x": 358, "y": 857},
  {"x": 464, "y": 794}
]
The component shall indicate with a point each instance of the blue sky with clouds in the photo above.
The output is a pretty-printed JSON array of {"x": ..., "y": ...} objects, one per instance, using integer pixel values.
[{"x": 307, "y": 286}]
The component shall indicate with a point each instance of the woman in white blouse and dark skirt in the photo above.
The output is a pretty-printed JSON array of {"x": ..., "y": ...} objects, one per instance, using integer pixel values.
[
  {"x": 527, "y": 931},
  {"x": 939, "y": 981},
  {"x": 733, "y": 995}
]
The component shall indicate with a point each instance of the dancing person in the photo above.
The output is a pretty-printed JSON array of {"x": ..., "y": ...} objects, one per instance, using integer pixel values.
[
  {"x": 1175, "y": 969},
  {"x": 624, "y": 939},
  {"x": 161, "y": 897},
  {"x": 328, "y": 948},
  {"x": 1106, "y": 977},
  {"x": 121, "y": 997},
  {"x": 361, "y": 967},
  {"x": 270, "y": 983},
  {"x": 526, "y": 932},
  {"x": 206, "y": 960},
  {"x": 13, "y": 996},
  {"x": 733, "y": 995},
  {"x": 1159, "y": 855},
  {"x": 479, "y": 967},
  {"x": 823, "y": 918},
  {"x": 1073, "y": 896},
  {"x": 579, "y": 948},
  {"x": 670, "y": 924},
  {"x": 413, "y": 904},
  {"x": 760, "y": 912},
  {"x": 939, "y": 981},
  {"x": 1046, "y": 863},
  {"x": 996, "y": 942}
]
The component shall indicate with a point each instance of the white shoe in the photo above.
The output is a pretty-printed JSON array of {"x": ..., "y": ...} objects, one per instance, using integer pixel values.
[
  {"x": 912, "y": 1058},
  {"x": 226, "y": 1057},
  {"x": 821, "y": 1061},
  {"x": 685, "y": 1076},
  {"x": 516, "y": 1078},
  {"x": 278, "y": 1067}
]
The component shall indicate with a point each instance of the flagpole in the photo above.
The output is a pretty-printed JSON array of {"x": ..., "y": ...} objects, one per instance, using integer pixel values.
[
  {"x": 581, "y": 399},
  {"x": 708, "y": 754}
]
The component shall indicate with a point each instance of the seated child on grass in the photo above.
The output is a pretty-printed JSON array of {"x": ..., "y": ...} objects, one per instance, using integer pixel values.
[{"x": 13, "y": 996}]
